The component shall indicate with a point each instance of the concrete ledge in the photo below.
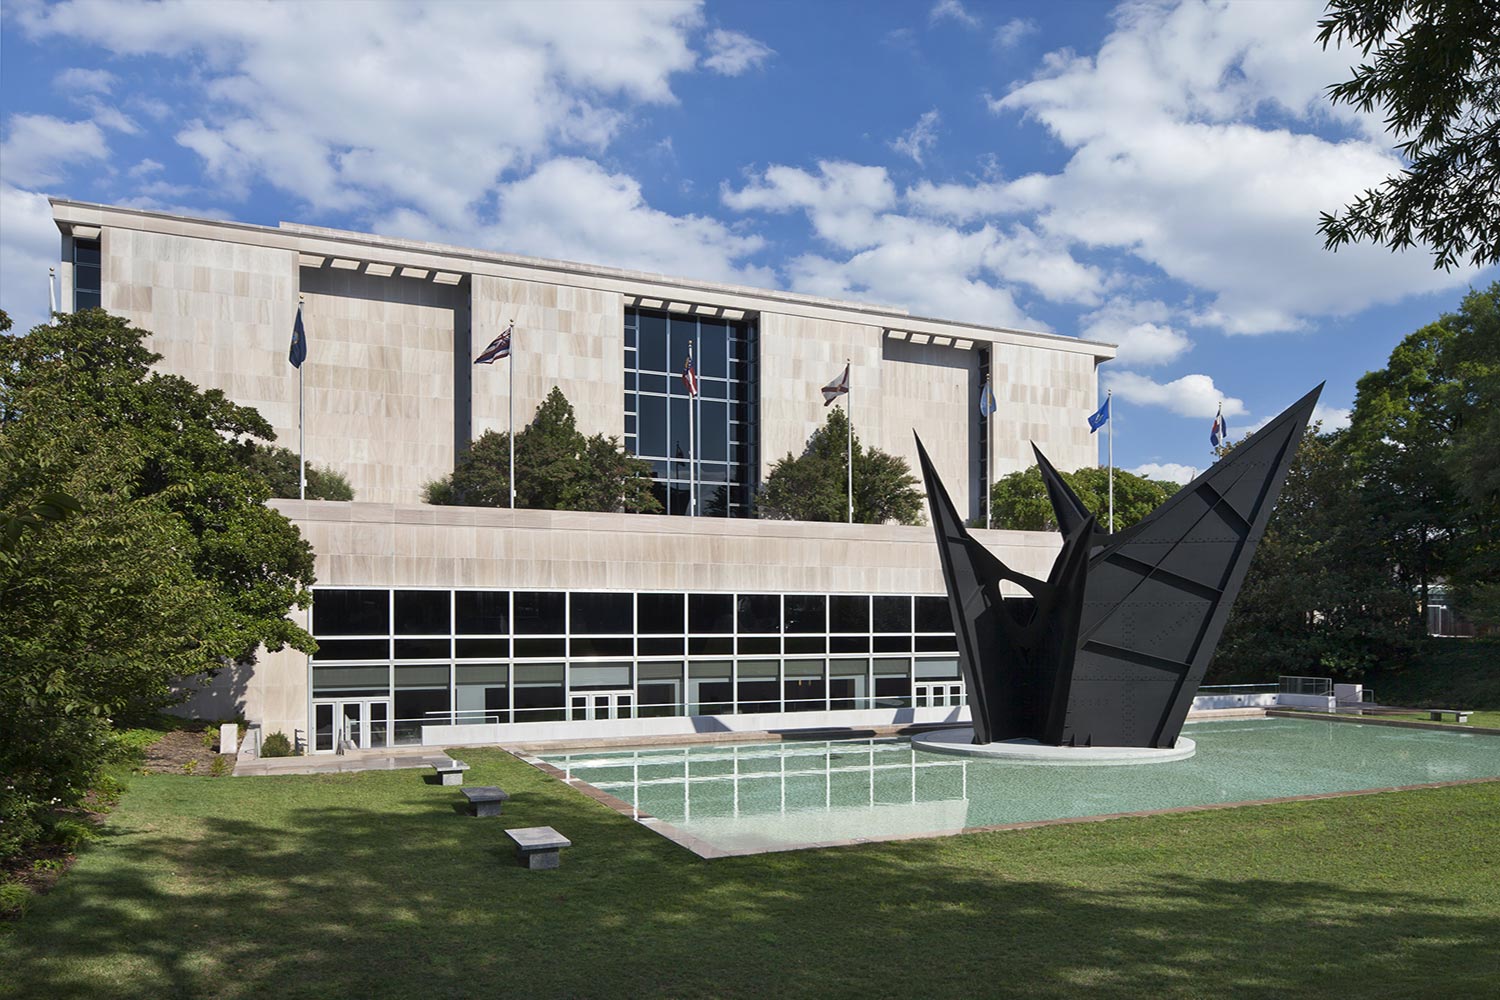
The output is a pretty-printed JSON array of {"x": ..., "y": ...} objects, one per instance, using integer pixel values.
[{"x": 960, "y": 743}]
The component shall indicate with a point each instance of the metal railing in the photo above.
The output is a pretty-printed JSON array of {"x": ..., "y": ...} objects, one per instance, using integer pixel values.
[{"x": 1316, "y": 686}]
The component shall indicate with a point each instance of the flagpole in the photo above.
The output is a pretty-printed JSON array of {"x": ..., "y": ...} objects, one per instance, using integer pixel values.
[
  {"x": 52, "y": 296},
  {"x": 301, "y": 423},
  {"x": 511, "y": 393},
  {"x": 692, "y": 434},
  {"x": 849, "y": 444},
  {"x": 1108, "y": 396},
  {"x": 697, "y": 404}
]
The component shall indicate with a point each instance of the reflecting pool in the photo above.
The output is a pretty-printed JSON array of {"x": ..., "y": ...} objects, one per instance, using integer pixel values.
[{"x": 749, "y": 797}]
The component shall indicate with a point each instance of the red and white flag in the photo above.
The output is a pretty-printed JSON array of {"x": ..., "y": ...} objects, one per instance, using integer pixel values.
[
  {"x": 838, "y": 387},
  {"x": 690, "y": 377}
]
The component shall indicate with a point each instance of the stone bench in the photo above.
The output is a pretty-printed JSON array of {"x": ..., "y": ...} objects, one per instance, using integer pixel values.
[
  {"x": 486, "y": 800},
  {"x": 538, "y": 846},
  {"x": 449, "y": 772},
  {"x": 1460, "y": 715}
]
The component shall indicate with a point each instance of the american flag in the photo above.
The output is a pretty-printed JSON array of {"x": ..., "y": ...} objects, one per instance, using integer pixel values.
[
  {"x": 499, "y": 348},
  {"x": 690, "y": 377},
  {"x": 838, "y": 387}
]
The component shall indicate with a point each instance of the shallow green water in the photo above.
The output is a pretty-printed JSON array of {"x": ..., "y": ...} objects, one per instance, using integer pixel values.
[{"x": 751, "y": 796}]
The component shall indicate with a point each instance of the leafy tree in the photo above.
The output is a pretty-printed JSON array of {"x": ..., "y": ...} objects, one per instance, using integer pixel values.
[
  {"x": 557, "y": 468},
  {"x": 281, "y": 468},
  {"x": 171, "y": 566},
  {"x": 1019, "y": 501},
  {"x": 813, "y": 486},
  {"x": 1318, "y": 598},
  {"x": 1433, "y": 68}
]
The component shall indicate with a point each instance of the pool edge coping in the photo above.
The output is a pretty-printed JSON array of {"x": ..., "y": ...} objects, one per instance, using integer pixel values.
[{"x": 709, "y": 852}]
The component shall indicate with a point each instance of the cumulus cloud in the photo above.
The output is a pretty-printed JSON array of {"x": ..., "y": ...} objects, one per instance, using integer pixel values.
[
  {"x": 80, "y": 80},
  {"x": 1011, "y": 32},
  {"x": 952, "y": 10},
  {"x": 1188, "y": 396},
  {"x": 29, "y": 244},
  {"x": 1167, "y": 472},
  {"x": 358, "y": 106},
  {"x": 1141, "y": 329},
  {"x": 731, "y": 53},
  {"x": 918, "y": 139},
  {"x": 572, "y": 209},
  {"x": 1170, "y": 166},
  {"x": 38, "y": 149}
]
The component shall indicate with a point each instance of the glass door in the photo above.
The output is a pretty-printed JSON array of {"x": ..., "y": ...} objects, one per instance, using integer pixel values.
[{"x": 353, "y": 734}]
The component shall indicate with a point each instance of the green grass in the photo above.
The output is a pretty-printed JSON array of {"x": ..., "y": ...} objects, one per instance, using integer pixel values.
[
  {"x": 1446, "y": 673},
  {"x": 374, "y": 885}
]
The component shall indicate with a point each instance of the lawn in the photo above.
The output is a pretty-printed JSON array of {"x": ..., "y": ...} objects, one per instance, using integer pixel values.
[{"x": 374, "y": 885}]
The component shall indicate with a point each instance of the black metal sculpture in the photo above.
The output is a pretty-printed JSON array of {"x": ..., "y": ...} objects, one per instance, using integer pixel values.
[{"x": 1110, "y": 648}]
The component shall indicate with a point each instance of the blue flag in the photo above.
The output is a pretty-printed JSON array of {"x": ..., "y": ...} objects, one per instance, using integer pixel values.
[
  {"x": 986, "y": 400},
  {"x": 298, "y": 353},
  {"x": 1099, "y": 417},
  {"x": 1220, "y": 430}
]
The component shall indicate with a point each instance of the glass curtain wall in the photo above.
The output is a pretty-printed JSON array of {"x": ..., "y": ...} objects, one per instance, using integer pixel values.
[
  {"x": 471, "y": 657},
  {"x": 711, "y": 440}
]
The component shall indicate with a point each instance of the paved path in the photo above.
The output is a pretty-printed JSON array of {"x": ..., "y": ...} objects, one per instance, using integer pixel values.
[{"x": 345, "y": 763}]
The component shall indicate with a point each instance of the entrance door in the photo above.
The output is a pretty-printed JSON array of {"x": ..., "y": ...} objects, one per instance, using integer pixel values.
[
  {"x": 591, "y": 705},
  {"x": 351, "y": 725},
  {"x": 940, "y": 694}
]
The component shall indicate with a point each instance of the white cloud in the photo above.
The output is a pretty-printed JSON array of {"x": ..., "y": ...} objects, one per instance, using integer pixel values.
[
  {"x": 572, "y": 209},
  {"x": 38, "y": 149},
  {"x": 29, "y": 244},
  {"x": 921, "y": 137},
  {"x": 1188, "y": 396},
  {"x": 80, "y": 80},
  {"x": 1167, "y": 472},
  {"x": 361, "y": 106},
  {"x": 732, "y": 53},
  {"x": 1170, "y": 162},
  {"x": 842, "y": 200},
  {"x": 1333, "y": 418},
  {"x": 1141, "y": 330},
  {"x": 1012, "y": 31},
  {"x": 968, "y": 202},
  {"x": 952, "y": 10}
]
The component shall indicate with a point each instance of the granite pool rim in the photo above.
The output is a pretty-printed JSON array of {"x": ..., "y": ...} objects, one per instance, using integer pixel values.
[{"x": 703, "y": 849}]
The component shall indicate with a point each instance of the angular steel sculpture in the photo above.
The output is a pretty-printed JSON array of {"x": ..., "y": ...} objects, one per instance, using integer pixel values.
[{"x": 1110, "y": 648}]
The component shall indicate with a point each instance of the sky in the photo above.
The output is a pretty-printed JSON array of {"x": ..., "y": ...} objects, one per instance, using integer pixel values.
[{"x": 1146, "y": 173}]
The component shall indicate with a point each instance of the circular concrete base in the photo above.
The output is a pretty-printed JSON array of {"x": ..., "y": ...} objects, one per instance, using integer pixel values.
[{"x": 961, "y": 742}]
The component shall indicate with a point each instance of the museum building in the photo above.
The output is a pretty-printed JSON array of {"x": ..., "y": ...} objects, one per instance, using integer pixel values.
[{"x": 448, "y": 625}]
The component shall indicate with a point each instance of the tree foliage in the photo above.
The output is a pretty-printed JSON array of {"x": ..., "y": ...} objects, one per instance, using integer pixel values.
[
  {"x": 1019, "y": 501},
  {"x": 557, "y": 468},
  {"x": 171, "y": 566},
  {"x": 280, "y": 467},
  {"x": 1433, "y": 68},
  {"x": 814, "y": 486}
]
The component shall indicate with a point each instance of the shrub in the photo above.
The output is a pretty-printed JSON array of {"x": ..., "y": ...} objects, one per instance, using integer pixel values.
[
  {"x": 276, "y": 745},
  {"x": 219, "y": 767},
  {"x": 13, "y": 900},
  {"x": 70, "y": 833}
]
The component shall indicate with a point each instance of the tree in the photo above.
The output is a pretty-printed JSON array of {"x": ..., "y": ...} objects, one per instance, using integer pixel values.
[
  {"x": 1433, "y": 68},
  {"x": 281, "y": 469},
  {"x": 1318, "y": 597},
  {"x": 557, "y": 468},
  {"x": 813, "y": 486},
  {"x": 1019, "y": 501},
  {"x": 171, "y": 566}
]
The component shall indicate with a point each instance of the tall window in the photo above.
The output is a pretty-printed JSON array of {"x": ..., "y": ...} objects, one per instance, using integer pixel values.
[
  {"x": 86, "y": 273},
  {"x": 724, "y": 443}
]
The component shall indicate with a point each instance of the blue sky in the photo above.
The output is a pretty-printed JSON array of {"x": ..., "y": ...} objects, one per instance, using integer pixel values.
[{"x": 1143, "y": 173}]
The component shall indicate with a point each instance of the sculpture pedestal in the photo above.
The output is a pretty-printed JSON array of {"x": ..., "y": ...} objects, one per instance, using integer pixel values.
[{"x": 961, "y": 742}]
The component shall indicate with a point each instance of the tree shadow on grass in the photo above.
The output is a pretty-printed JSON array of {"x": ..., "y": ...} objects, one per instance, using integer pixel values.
[{"x": 372, "y": 885}]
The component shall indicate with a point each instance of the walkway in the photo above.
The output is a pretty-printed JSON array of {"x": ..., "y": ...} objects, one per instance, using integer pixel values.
[{"x": 391, "y": 759}]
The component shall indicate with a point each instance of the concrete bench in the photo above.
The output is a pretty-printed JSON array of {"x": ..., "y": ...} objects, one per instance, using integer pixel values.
[
  {"x": 450, "y": 772},
  {"x": 538, "y": 846},
  {"x": 486, "y": 800},
  {"x": 1460, "y": 715}
]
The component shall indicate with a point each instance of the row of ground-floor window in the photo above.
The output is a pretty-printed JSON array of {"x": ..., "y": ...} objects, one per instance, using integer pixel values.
[{"x": 373, "y": 705}]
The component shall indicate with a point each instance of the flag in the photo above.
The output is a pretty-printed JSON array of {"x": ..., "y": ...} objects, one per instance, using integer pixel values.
[
  {"x": 690, "y": 377},
  {"x": 499, "y": 347},
  {"x": 986, "y": 400},
  {"x": 838, "y": 387},
  {"x": 1220, "y": 431},
  {"x": 1099, "y": 417},
  {"x": 298, "y": 352}
]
